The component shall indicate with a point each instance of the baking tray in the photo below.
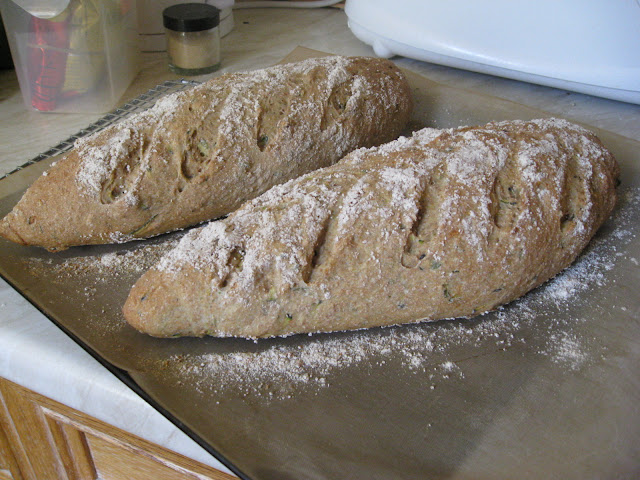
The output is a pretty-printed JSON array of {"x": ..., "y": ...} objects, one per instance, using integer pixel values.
[{"x": 547, "y": 387}]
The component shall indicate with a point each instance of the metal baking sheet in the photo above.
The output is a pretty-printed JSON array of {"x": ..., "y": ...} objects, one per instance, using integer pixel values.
[{"x": 547, "y": 387}]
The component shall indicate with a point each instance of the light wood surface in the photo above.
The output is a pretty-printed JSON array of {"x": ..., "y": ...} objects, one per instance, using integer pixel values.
[
  {"x": 7, "y": 461},
  {"x": 42, "y": 439}
]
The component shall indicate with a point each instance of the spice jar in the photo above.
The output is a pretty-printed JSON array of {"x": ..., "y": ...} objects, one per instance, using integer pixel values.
[{"x": 193, "y": 38}]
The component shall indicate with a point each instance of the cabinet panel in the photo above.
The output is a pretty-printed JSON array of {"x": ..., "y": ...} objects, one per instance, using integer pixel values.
[
  {"x": 40, "y": 438},
  {"x": 120, "y": 462}
]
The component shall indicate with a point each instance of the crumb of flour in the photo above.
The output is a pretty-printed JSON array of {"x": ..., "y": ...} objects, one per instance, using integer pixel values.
[
  {"x": 567, "y": 349},
  {"x": 110, "y": 264}
]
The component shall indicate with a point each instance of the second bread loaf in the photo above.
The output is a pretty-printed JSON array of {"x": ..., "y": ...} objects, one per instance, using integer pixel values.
[
  {"x": 199, "y": 154},
  {"x": 448, "y": 223}
]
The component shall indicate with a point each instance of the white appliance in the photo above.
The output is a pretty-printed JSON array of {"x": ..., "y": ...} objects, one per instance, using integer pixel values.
[{"x": 587, "y": 46}]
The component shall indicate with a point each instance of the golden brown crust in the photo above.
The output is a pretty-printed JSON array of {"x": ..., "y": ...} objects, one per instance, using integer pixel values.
[
  {"x": 200, "y": 154},
  {"x": 449, "y": 223}
]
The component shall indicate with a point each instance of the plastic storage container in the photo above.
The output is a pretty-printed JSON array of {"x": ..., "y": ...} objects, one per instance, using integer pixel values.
[{"x": 72, "y": 55}]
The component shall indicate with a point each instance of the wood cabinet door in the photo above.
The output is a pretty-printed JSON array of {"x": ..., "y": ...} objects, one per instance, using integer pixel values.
[{"x": 42, "y": 439}]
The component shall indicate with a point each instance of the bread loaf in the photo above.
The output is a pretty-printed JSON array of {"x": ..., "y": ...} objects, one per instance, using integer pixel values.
[
  {"x": 199, "y": 154},
  {"x": 447, "y": 223}
]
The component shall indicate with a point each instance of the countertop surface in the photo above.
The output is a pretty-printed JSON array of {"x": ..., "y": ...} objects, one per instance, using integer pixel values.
[{"x": 36, "y": 354}]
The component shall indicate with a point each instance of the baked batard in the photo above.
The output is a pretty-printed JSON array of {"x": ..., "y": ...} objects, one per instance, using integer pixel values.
[
  {"x": 447, "y": 223},
  {"x": 199, "y": 154}
]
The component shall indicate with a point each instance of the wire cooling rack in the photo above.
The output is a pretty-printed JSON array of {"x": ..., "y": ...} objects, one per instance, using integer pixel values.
[{"x": 138, "y": 104}]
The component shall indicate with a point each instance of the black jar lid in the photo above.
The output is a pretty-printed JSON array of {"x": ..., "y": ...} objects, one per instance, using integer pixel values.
[{"x": 191, "y": 17}]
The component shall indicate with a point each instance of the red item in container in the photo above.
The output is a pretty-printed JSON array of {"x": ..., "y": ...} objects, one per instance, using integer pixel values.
[{"x": 47, "y": 61}]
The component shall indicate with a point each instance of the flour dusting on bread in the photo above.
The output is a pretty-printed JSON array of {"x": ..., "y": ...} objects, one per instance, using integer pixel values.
[
  {"x": 448, "y": 223},
  {"x": 200, "y": 153}
]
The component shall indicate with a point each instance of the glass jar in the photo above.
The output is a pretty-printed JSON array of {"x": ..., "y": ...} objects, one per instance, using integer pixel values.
[{"x": 193, "y": 38}]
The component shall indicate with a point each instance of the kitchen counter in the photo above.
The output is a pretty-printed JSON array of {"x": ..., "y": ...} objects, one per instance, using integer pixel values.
[{"x": 36, "y": 354}]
